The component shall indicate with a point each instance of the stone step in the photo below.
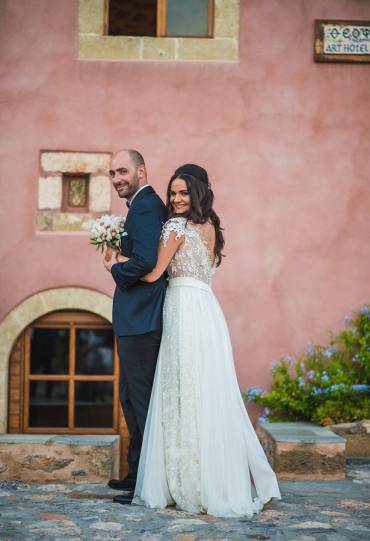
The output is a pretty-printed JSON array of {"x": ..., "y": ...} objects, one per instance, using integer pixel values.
[
  {"x": 67, "y": 458},
  {"x": 303, "y": 451}
]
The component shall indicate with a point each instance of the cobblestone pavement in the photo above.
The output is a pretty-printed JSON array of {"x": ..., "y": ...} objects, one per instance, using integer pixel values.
[{"x": 309, "y": 511}]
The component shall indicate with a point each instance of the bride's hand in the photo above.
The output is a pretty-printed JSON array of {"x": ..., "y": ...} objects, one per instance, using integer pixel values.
[
  {"x": 110, "y": 259},
  {"x": 121, "y": 258}
]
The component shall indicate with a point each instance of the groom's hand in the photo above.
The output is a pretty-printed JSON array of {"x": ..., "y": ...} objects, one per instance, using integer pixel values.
[
  {"x": 109, "y": 258},
  {"x": 108, "y": 264}
]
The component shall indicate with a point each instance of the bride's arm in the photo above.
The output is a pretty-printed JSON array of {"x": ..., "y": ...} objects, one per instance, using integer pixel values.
[{"x": 165, "y": 254}]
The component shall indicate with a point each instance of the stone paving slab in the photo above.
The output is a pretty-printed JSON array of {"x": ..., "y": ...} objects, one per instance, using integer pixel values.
[{"x": 309, "y": 511}]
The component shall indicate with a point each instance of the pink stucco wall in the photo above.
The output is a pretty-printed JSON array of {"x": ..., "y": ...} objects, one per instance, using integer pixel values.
[{"x": 286, "y": 142}]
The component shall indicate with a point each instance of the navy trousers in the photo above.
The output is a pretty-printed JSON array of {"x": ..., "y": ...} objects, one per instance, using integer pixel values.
[{"x": 138, "y": 359}]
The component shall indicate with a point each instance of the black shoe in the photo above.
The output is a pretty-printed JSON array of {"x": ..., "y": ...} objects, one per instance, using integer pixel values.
[
  {"x": 122, "y": 484},
  {"x": 123, "y": 499}
]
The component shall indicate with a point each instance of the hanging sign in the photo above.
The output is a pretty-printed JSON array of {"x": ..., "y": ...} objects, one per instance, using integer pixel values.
[{"x": 342, "y": 41}]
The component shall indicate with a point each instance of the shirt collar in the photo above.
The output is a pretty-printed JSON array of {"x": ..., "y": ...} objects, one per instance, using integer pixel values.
[{"x": 129, "y": 203}]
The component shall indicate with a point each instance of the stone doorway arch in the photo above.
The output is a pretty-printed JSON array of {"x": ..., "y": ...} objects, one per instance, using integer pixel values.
[{"x": 39, "y": 304}]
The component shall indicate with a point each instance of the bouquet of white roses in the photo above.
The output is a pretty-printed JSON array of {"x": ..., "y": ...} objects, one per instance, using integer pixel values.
[{"x": 106, "y": 232}]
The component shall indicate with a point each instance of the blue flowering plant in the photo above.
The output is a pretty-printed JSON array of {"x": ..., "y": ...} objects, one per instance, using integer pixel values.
[{"x": 325, "y": 384}]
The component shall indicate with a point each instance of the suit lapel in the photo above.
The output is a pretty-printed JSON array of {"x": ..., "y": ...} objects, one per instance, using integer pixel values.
[{"x": 145, "y": 191}]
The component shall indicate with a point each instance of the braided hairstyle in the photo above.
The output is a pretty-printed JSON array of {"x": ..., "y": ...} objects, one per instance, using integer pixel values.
[{"x": 201, "y": 208}]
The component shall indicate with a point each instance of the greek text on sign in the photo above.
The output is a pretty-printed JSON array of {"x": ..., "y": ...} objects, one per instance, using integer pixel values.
[{"x": 348, "y": 39}]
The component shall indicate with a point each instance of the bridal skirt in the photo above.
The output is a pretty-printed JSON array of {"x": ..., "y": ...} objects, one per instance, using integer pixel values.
[{"x": 200, "y": 450}]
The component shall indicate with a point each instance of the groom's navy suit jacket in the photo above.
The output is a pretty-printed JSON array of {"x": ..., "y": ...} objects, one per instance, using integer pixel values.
[{"x": 137, "y": 305}]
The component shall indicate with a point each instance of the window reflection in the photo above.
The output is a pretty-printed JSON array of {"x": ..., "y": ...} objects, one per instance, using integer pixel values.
[
  {"x": 48, "y": 404},
  {"x": 188, "y": 18},
  {"x": 94, "y": 351},
  {"x": 49, "y": 351},
  {"x": 132, "y": 18},
  {"x": 94, "y": 404}
]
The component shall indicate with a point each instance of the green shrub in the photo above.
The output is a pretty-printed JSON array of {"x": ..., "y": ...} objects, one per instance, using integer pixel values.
[{"x": 324, "y": 385}]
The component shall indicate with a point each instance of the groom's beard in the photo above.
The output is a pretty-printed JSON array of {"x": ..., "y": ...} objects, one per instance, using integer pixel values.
[{"x": 128, "y": 190}]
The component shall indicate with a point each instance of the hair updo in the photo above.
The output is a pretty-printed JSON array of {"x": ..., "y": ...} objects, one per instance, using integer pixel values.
[
  {"x": 201, "y": 207},
  {"x": 194, "y": 170}
]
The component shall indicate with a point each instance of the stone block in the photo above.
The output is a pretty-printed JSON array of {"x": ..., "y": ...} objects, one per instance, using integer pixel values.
[
  {"x": 3, "y": 406},
  {"x": 44, "y": 220},
  {"x": 69, "y": 221},
  {"x": 303, "y": 451},
  {"x": 48, "y": 458},
  {"x": 226, "y": 19},
  {"x": 11, "y": 327},
  {"x": 91, "y": 17},
  {"x": 99, "y": 194},
  {"x": 223, "y": 49},
  {"x": 357, "y": 436},
  {"x": 50, "y": 192},
  {"x": 31, "y": 309},
  {"x": 84, "y": 299},
  {"x": 75, "y": 162},
  {"x": 158, "y": 48},
  {"x": 109, "y": 47}
]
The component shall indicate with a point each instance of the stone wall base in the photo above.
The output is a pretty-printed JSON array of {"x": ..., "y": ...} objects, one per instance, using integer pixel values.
[
  {"x": 50, "y": 458},
  {"x": 302, "y": 451}
]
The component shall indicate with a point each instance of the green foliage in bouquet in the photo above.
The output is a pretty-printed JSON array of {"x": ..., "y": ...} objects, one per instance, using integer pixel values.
[
  {"x": 106, "y": 231},
  {"x": 324, "y": 385}
]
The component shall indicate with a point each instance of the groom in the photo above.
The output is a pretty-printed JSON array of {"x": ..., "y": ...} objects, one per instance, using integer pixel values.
[{"x": 137, "y": 305}]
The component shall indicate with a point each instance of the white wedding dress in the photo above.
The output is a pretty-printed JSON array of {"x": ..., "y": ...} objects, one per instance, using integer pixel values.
[{"x": 200, "y": 450}]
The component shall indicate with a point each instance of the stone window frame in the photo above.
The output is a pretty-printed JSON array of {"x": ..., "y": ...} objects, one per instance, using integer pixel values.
[
  {"x": 95, "y": 45},
  {"x": 33, "y": 307},
  {"x": 51, "y": 215},
  {"x": 24, "y": 314}
]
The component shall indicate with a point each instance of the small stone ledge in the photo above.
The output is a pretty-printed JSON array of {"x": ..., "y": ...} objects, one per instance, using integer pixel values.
[
  {"x": 65, "y": 458},
  {"x": 78, "y": 439},
  {"x": 303, "y": 451}
]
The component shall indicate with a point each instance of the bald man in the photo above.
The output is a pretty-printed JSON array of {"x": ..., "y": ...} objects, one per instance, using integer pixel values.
[{"x": 137, "y": 305}]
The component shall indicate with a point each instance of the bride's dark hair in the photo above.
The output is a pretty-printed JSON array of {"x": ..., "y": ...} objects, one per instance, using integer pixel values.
[{"x": 201, "y": 211}]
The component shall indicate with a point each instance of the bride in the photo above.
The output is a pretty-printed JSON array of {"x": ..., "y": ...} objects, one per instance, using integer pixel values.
[{"x": 199, "y": 450}]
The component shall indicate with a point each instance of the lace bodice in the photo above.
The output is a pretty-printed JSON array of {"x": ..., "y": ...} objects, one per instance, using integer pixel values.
[{"x": 193, "y": 258}]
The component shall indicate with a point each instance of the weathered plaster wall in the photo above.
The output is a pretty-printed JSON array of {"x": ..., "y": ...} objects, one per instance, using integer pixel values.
[{"x": 286, "y": 142}]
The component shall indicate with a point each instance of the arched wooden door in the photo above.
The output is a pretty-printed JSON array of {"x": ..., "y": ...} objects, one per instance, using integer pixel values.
[{"x": 64, "y": 379}]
